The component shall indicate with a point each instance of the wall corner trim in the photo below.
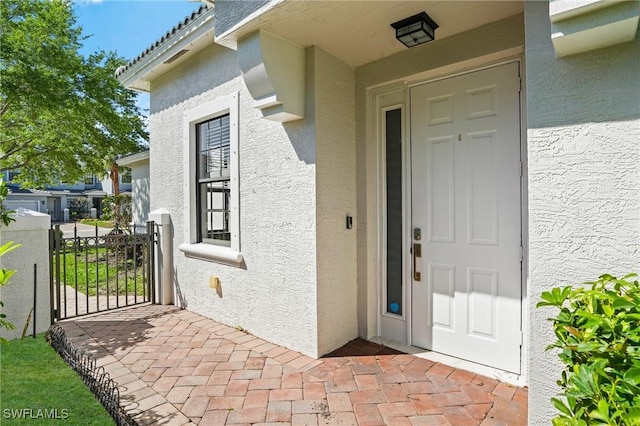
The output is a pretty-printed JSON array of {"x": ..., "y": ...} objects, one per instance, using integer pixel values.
[
  {"x": 583, "y": 25},
  {"x": 273, "y": 70}
]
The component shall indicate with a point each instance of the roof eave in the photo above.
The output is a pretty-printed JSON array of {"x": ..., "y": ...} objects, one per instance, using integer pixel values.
[
  {"x": 194, "y": 36},
  {"x": 133, "y": 158}
]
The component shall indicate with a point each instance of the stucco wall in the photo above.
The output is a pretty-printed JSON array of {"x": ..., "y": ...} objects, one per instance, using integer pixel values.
[
  {"x": 274, "y": 297},
  {"x": 583, "y": 115},
  {"x": 336, "y": 198},
  {"x": 31, "y": 230},
  {"x": 140, "y": 186},
  {"x": 230, "y": 12},
  {"x": 496, "y": 37}
]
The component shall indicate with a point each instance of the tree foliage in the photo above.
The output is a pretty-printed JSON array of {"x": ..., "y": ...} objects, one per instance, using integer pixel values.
[{"x": 62, "y": 115}]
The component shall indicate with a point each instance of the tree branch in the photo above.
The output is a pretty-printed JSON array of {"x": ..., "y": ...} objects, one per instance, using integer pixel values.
[
  {"x": 15, "y": 149},
  {"x": 4, "y": 108}
]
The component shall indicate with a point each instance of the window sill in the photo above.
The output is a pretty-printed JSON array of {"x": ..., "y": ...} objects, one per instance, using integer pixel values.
[{"x": 213, "y": 253}]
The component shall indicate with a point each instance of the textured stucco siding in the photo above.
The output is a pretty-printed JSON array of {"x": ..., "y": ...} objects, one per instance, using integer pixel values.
[
  {"x": 140, "y": 194},
  {"x": 231, "y": 12},
  {"x": 496, "y": 37},
  {"x": 334, "y": 88},
  {"x": 31, "y": 231},
  {"x": 274, "y": 297},
  {"x": 583, "y": 115}
]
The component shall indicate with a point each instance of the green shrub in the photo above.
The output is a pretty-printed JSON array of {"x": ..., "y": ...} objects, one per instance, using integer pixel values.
[
  {"x": 118, "y": 209},
  {"x": 79, "y": 208},
  {"x": 598, "y": 335}
]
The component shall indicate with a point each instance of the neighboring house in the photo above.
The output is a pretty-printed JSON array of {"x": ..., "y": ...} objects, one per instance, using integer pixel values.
[
  {"x": 339, "y": 184},
  {"x": 136, "y": 168},
  {"x": 54, "y": 199}
]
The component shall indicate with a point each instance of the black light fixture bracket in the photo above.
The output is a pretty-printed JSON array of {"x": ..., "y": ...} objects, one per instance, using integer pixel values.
[{"x": 415, "y": 30}]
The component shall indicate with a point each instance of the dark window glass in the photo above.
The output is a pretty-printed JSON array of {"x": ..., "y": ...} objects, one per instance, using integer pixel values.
[
  {"x": 214, "y": 161},
  {"x": 393, "y": 138}
]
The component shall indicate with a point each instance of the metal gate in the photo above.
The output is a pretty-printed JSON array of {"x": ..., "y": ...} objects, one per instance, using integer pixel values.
[{"x": 96, "y": 273}]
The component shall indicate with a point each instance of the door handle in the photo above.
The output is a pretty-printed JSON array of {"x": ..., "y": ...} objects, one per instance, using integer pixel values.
[{"x": 417, "y": 252}]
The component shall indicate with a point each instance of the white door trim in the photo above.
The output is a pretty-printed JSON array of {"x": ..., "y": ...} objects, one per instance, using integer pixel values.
[{"x": 376, "y": 281}]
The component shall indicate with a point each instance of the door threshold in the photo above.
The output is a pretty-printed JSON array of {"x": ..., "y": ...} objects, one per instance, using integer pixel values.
[{"x": 494, "y": 373}]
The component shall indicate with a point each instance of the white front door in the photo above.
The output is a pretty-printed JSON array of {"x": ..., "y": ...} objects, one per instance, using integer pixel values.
[{"x": 466, "y": 218}]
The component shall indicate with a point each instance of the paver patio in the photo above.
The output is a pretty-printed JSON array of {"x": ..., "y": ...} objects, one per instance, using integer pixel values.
[{"x": 175, "y": 367}]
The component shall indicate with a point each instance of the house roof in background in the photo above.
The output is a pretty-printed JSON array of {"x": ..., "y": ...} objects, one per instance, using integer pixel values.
[
  {"x": 133, "y": 158},
  {"x": 15, "y": 189}
]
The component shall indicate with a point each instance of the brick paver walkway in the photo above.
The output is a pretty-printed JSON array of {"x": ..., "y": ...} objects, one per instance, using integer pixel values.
[{"x": 175, "y": 367}]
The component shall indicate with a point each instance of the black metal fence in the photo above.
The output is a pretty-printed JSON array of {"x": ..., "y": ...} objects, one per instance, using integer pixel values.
[
  {"x": 56, "y": 215},
  {"x": 100, "y": 271},
  {"x": 96, "y": 379}
]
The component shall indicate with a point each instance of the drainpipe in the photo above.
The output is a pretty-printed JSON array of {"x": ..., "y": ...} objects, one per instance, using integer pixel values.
[{"x": 164, "y": 256}]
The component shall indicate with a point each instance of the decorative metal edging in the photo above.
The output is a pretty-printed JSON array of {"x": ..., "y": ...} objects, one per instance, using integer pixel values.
[{"x": 96, "y": 378}]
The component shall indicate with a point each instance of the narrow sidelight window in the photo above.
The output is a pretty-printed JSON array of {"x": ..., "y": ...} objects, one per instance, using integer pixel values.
[{"x": 393, "y": 137}]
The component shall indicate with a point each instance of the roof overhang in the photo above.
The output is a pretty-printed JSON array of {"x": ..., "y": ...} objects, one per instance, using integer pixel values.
[
  {"x": 95, "y": 193},
  {"x": 579, "y": 26},
  {"x": 182, "y": 42},
  {"x": 360, "y": 32},
  {"x": 129, "y": 160}
]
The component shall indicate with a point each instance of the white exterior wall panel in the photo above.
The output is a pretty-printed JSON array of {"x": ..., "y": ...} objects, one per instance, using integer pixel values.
[
  {"x": 274, "y": 295},
  {"x": 584, "y": 187},
  {"x": 30, "y": 230},
  {"x": 336, "y": 198}
]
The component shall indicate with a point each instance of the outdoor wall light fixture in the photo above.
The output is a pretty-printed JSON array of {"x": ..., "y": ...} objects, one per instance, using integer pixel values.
[{"x": 415, "y": 30}]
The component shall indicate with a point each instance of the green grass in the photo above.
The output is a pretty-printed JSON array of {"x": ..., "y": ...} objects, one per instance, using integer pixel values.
[
  {"x": 100, "y": 223},
  {"x": 100, "y": 271},
  {"x": 33, "y": 377}
]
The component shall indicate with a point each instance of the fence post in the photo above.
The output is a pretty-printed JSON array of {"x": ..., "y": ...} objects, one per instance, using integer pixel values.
[
  {"x": 164, "y": 257},
  {"x": 51, "y": 275},
  {"x": 151, "y": 257}
]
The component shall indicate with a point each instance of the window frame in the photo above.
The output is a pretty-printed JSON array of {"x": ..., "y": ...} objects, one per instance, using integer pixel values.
[
  {"x": 207, "y": 184},
  {"x": 192, "y": 247},
  {"x": 125, "y": 175}
]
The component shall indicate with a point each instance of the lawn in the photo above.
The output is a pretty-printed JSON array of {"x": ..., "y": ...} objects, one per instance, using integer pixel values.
[
  {"x": 100, "y": 223},
  {"x": 99, "y": 270},
  {"x": 38, "y": 388}
]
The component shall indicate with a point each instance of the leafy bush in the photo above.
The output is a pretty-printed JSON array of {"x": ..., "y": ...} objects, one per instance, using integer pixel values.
[
  {"x": 118, "y": 209},
  {"x": 598, "y": 335},
  {"x": 79, "y": 208}
]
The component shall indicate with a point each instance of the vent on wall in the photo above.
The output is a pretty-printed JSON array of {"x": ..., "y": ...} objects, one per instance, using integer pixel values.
[{"x": 176, "y": 56}]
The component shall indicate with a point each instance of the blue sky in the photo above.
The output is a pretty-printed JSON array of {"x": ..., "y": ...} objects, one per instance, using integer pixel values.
[{"x": 128, "y": 27}]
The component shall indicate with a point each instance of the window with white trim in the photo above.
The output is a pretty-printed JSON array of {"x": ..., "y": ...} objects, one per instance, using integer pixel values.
[
  {"x": 213, "y": 175},
  {"x": 212, "y": 216}
]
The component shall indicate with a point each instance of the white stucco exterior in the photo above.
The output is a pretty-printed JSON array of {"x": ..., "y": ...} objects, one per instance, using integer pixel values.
[
  {"x": 285, "y": 291},
  {"x": 300, "y": 277},
  {"x": 334, "y": 109},
  {"x": 583, "y": 117},
  {"x": 31, "y": 231},
  {"x": 140, "y": 185}
]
